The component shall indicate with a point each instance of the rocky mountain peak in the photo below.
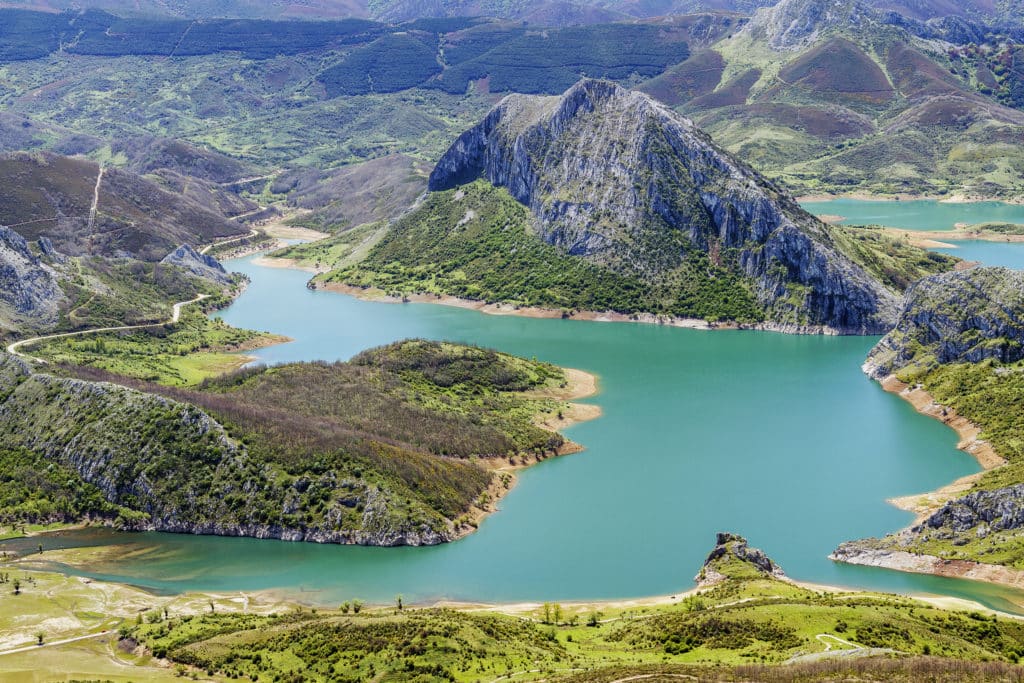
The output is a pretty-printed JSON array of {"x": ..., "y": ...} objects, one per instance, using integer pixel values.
[
  {"x": 962, "y": 316},
  {"x": 732, "y": 558},
  {"x": 200, "y": 265},
  {"x": 796, "y": 24},
  {"x": 616, "y": 178}
]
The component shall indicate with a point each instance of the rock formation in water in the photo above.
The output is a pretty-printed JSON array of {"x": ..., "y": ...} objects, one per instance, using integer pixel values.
[
  {"x": 958, "y": 317},
  {"x": 732, "y": 558},
  {"x": 613, "y": 177}
]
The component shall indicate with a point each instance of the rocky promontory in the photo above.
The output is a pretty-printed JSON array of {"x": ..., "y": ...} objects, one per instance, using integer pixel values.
[
  {"x": 617, "y": 179},
  {"x": 962, "y": 316},
  {"x": 732, "y": 558},
  {"x": 197, "y": 264},
  {"x": 30, "y": 292},
  {"x": 958, "y": 343}
]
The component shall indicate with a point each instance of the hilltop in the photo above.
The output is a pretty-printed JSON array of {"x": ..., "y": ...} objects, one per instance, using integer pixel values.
[{"x": 603, "y": 199}]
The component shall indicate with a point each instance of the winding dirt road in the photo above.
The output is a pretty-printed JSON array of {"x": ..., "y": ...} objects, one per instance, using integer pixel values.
[{"x": 14, "y": 347}]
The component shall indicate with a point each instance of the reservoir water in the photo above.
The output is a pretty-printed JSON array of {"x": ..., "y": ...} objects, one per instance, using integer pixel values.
[
  {"x": 777, "y": 437},
  {"x": 923, "y": 214}
]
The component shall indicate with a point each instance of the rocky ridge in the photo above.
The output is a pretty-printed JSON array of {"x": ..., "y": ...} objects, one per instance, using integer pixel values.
[
  {"x": 732, "y": 558},
  {"x": 973, "y": 319},
  {"x": 613, "y": 177},
  {"x": 959, "y": 317},
  {"x": 796, "y": 24}
]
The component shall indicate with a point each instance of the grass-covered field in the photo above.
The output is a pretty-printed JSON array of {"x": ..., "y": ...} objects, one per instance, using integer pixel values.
[
  {"x": 748, "y": 627},
  {"x": 184, "y": 353}
]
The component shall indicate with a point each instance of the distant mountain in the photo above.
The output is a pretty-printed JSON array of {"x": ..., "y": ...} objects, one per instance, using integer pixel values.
[
  {"x": 603, "y": 199},
  {"x": 541, "y": 12},
  {"x": 832, "y": 94}
]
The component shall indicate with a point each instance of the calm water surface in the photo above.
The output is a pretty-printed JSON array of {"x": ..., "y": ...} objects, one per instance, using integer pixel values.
[
  {"x": 921, "y": 214},
  {"x": 777, "y": 437}
]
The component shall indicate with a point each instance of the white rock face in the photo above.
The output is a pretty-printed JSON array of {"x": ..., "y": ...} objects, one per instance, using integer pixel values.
[{"x": 616, "y": 178}]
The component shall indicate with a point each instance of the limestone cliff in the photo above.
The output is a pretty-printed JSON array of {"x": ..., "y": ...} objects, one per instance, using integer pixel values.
[
  {"x": 29, "y": 289},
  {"x": 962, "y": 316},
  {"x": 613, "y": 177}
]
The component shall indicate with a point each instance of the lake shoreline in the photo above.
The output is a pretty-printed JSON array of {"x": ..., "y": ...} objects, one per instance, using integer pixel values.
[
  {"x": 923, "y": 505},
  {"x": 579, "y": 384},
  {"x": 379, "y": 296},
  {"x": 905, "y": 197}
]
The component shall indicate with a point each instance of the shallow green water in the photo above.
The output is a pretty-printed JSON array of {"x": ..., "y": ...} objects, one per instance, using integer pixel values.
[
  {"x": 924, "y": 214},
  {"x": 777, "y": 437}
]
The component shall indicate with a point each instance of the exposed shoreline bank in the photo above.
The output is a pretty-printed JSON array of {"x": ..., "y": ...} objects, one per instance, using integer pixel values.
[
  {"x": 379, "y": 296},
  {"x": 923, "y": 505},
  {"x": 579, "y": 384}
]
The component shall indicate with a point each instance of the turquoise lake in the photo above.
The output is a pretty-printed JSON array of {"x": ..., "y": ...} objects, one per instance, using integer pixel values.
[
  {"x": 920, "y": 214},
  {"x": 777, "y": 437}
]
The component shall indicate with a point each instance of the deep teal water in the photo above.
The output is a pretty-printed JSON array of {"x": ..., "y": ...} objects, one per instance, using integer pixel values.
[
  {"x": 777, "y": 437},
  {"x": 921, "y": 214}
]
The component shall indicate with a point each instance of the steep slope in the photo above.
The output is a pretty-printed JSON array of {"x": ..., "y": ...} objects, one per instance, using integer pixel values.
[
  {"x": 350, "y": 196},
  {"x": 84, "y": 209},
  {"x": 377, "y": 451},
  {"x": 29, "y": 289},
  {"x": 961, "y": 317},
  {"x": 960, "y": 338},
  {"x": 621, "y": 185}
]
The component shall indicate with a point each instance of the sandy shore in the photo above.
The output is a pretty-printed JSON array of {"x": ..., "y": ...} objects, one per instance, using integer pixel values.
[{"x": 924, "y": 504}]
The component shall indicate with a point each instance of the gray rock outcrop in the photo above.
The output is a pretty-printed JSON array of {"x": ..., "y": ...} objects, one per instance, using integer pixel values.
[
  {"x": 962, "y": 316},
  {"x": 614, "y": 177},
  {"x": 721, "y": 563},
  {"x": 200, "y": 265},
  {"x": 30, "y": 292}
]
